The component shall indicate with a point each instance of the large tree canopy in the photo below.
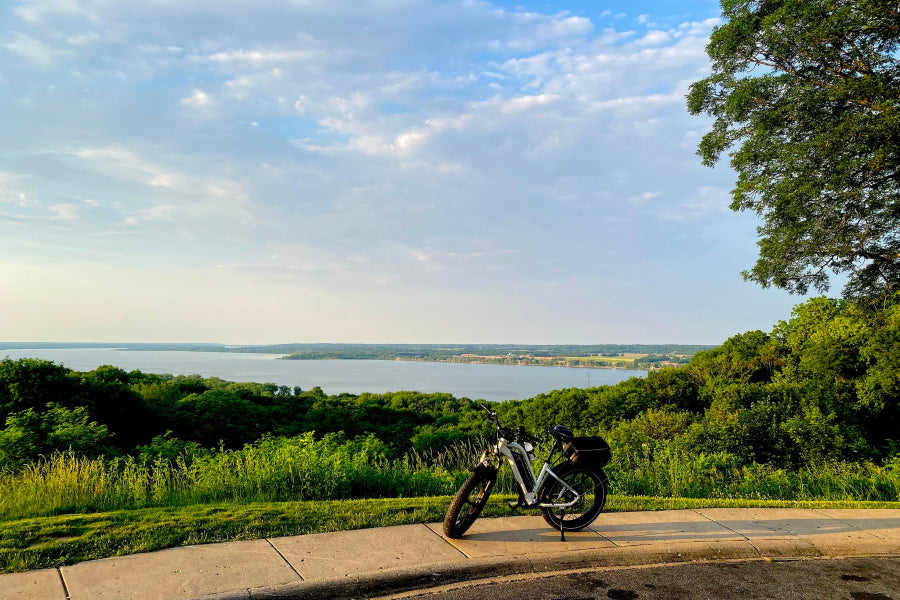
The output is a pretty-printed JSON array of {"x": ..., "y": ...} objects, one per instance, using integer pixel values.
[{"x": 806, "y": 96}]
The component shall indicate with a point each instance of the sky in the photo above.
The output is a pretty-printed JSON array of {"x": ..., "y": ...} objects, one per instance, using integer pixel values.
[{"x": 382, "y": 171}]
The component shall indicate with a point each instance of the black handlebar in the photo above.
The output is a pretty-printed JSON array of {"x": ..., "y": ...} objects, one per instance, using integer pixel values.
[
  {"x": 491, "y": 415},
  {"x": 520, "y": 432},
  {"x": 523, "y": 435}
]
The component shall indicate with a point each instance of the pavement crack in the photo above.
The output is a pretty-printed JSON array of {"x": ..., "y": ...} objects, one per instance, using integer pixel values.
[
  {"x": 62, "y": 580},
  {"x": 746, "y": 539},
  {"x": 598, "y": 532},
  {"x": 848, "y": 524},
  {"x": 530, "y": 562},
  {"x": 284, "y": 559},
  {"x": 446, "y": 541}
]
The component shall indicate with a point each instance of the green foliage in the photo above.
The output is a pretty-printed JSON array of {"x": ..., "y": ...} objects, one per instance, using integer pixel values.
[
  {"x": 168, "y": 448},
  {"x": 817, "y": 394},
  {"x": 136, "y": 409},
  {"x": 820, "y": 387},
  {"x": 32, "y": 383},
  {"x": 807, "y": 94},
  {"x": 104, "y": 393},
  {"x": 29, "y": 434}
]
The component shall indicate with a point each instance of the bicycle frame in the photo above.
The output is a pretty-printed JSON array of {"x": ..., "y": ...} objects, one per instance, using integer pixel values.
[
  {"x": 517, "y": 448},
  {"x": 517, "y": 457}
]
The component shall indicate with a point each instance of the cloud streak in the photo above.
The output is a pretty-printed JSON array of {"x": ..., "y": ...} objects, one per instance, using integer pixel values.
[{"x": 443, "y": 148}]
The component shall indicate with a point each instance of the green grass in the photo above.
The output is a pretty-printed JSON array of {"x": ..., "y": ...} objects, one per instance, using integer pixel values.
[
  {"x": 64, "y": 509},
  {"x": 52, "y": 541},
  {"x": 64, "y": 539}
]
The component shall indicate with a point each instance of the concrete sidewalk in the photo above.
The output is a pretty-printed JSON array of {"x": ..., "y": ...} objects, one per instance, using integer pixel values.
[{"x": 379, "y": 561}]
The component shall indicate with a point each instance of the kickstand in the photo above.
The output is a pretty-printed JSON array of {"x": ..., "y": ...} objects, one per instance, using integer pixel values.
[{"x": 562, "y": 532}]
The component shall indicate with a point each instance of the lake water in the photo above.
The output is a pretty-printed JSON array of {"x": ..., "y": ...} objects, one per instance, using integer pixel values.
[{"x": 488, "y": 382}]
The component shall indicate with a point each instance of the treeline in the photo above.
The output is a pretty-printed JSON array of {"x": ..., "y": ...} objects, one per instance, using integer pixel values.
[
  {"x": 110, "y": 412},
  {"x": 441, "y": 352},
  {"x": 436, "y": 352},
  {"x": 820, "y": 387}
]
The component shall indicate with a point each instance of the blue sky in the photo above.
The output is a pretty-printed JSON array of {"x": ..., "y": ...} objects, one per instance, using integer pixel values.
[{"x": 383, "y": 171}]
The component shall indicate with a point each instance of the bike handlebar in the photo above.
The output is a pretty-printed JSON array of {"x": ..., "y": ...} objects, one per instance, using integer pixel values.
[
  {"x": 519, "y": 433},
  {"x": 492, "y": 416},
  {"x": 523, "y": 435}
]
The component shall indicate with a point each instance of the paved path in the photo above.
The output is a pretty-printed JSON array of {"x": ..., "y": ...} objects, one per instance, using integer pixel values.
[
  {"x": 378, "y": 561},
  {"x": 866, "y": 578}
]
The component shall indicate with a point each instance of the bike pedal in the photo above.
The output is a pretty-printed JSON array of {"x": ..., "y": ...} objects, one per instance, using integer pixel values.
[{"x": 513, "y": 504}]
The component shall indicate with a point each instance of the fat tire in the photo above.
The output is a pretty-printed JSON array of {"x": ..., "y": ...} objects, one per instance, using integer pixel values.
[
  {"x": 469, "y": 501},
  {"x": 590, "y": 482}
]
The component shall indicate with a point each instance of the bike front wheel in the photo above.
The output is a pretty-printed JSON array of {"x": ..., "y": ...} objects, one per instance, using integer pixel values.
[
  {"x": 469, "y": 501},
  {"x": 590, "y": 486}
]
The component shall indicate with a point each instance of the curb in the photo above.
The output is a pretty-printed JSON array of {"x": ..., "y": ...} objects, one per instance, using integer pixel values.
[
  {"x": 422, "y": 578},
  {"x": 410, "y": 558}
]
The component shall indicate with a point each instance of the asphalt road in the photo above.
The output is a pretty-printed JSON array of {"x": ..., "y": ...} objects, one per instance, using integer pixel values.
[{"x": 819, "y": 579}]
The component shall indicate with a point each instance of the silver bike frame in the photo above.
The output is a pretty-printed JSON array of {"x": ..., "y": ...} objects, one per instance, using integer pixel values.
[{"x": 505, "y": 449}]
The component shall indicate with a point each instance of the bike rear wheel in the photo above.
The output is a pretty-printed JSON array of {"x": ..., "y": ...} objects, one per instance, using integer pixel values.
[
  {"x": 469, "y": 501},
  {"x": 588, "y": 483}
]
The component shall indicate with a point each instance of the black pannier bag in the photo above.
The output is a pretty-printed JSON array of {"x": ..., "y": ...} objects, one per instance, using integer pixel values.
[{"x": 591, "y": 451}]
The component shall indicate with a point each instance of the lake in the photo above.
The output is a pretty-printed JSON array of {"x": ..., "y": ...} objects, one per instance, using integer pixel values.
[{"x": 488, "y": 382}]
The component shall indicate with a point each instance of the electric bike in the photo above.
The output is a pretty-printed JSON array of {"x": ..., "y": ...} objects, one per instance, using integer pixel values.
[{"x": 570, "y": 495}]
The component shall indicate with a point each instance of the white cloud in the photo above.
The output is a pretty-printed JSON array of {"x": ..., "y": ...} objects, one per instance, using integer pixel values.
[
  {"x": 431, "y": 147},
  {"x": 198, "y": 197},
  {"x": 70, "y": 211},
  {"x": 549, "y": 31},
  {"x": 702, "y": 203},
  {"x": 39, "y": 11},
  {"x": 122, "y": 162},
  {"x": 198, "y": 99},
  {"x": 39, "y": 53},
  {"x": 644, "y": 197},
  {"x": 12, "y": 191},
  {"x": 525, "y": 102},
  {"x": 654, "y": 38},
  {"x": 256, "y": 58}
]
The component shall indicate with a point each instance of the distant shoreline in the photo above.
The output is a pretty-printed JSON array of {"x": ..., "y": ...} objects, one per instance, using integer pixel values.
[
  {"x": 496, "y": 383},
  {"x": 511, "y": 362},
  {"x": 642, "y": 357}
]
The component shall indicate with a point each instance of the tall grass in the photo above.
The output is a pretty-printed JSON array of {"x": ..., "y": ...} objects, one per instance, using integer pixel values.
[
  {"x": 276, "y": 469},
  {"x": 668, "y": 471},
  {"x": 303, "y": 468}
]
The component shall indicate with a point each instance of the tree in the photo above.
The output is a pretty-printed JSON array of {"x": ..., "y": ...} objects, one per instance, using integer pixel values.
[
  {"x": 32, "y": 383},
  {"x": 29, "y": 434},
  {"x": 806, "y": 95}
]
